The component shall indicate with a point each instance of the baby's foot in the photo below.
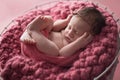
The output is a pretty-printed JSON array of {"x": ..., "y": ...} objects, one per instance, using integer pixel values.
[
  {"x": 40, "y": 21},
  {"x": 29, "y": 41},
  {"x": 26, "y": 38}
]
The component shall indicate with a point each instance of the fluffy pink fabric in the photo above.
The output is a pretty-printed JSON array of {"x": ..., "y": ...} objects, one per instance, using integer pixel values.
[
  {"x": 88, "y": 64},
  {"x": 32, "y": 52}
]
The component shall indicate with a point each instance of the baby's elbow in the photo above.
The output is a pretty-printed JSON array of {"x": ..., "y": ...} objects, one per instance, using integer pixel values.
[{"x": 55, "y": 51}]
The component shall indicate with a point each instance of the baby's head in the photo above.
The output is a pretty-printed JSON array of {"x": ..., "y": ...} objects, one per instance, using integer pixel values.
[
  {"x": 93, "y": 17},
  {"x": 88, "y": 20}
]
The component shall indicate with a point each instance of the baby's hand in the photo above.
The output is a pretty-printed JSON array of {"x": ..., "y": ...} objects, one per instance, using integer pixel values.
[{"x": 85, "y": 39}]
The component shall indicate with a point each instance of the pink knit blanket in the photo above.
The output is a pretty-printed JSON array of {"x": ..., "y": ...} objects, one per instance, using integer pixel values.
[
  {"x": 32, "y": 52},
  {"x": 85, "y": 65}
]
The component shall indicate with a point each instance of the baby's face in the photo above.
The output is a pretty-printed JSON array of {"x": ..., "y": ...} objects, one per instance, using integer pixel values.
[{"x": 76, "y": 28}]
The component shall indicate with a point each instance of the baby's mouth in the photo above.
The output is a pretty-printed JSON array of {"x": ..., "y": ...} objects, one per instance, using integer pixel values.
[{"x": 68, "y": 39}]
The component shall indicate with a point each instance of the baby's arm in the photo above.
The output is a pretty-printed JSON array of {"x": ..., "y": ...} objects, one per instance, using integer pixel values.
[
  {"x": 41, "y": 23},
  {"x": 61, "y": 24},
  {"x": 76, "y": 45}
]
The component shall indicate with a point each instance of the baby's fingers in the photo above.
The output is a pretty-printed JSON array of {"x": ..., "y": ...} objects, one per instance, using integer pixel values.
[
  {"x": 31, "y": 41},
  {"x": 85, "y": 35}
]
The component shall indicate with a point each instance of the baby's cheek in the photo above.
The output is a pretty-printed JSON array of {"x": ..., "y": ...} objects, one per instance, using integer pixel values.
[{"x": 65, "y": 32}]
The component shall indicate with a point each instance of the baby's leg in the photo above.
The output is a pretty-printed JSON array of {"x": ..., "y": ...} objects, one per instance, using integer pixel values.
[
  {"x": 42, "y": 43},
  {"x": 40, "y": 23},
  {"x": 45, "y": 45},
  {"x": 26, "y": 38}
]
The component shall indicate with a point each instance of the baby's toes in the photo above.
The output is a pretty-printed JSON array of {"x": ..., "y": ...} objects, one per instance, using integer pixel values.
[
  {"x": 25, "y": 41},
  {"x": 43, "y": 19},
  {"x": 46, "y": 19},
  {"x": 32, "y": 41},
  {"x": 40, "y": 18}
]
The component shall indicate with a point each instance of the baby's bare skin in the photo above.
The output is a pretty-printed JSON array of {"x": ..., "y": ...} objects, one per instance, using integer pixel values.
[
  {"x": 56, "y": 37},
  {"x": 26, "y": 38},
  {"x": 57, "y": 42},
  {"x": 42, "y": 22},
  {"x": 66, "y": 36}
]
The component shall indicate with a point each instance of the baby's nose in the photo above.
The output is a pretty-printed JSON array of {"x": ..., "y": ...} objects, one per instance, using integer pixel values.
[{"x": 71, "y": 34}]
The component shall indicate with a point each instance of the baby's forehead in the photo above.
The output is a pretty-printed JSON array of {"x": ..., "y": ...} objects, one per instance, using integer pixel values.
[
  {"x": 79, "y": 24},
  {"x": 79, "y": 21},
  {"x": 76, "y": 18}
]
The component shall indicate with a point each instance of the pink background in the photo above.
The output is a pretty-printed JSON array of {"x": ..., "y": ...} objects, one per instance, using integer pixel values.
[{"x": 10, "y": 9}]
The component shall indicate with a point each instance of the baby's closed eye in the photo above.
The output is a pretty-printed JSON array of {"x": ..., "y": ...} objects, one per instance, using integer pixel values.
[{"x": 76, "y": 32}]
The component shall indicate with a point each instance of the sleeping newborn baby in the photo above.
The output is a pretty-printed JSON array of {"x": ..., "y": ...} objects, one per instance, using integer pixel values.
[{"x": 64, "y": 37}]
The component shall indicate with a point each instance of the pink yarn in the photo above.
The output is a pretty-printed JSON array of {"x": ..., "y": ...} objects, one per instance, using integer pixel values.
[{"x": 88, "y": 64}]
